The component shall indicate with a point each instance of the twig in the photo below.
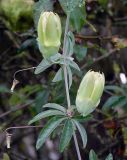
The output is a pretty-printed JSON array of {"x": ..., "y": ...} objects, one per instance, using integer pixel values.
[
  {"x": 15, "y": 109},
  {"x": 93, "y": 37},
  {"x": 119, "y": 19},
  {"x": 5, "y": 52},
  {"x": 12, "y": 37},
  {"x": 91, "y": 26},
  {"x": 110, "y": 145},
  {"x": 99, "y": 122},
  {"x": 100, "y": 58}
]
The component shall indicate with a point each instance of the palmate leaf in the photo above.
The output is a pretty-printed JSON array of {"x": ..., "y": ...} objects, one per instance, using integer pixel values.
[
  {"x": 82, "y": 132},
  {"x": 66, "y": 135},
  {"x": 52, "y": 124},
  {"x": 45, "y": 114},
  {"x": 92, "y": 155},
  {"x": 55, "y": 106},
  {"x": 109, "y": 157}
]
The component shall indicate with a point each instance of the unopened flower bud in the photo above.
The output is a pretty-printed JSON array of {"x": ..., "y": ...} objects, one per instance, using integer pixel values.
[
  {"x": 90, "y": 92},
  {"x": 49, "y": 33}
]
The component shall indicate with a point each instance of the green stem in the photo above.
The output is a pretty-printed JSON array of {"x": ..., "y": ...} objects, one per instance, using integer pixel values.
[
  {"x": 77, "y": 147},
  {"x": 66, "y": 81},
  {"x": 65, "y": 65}
]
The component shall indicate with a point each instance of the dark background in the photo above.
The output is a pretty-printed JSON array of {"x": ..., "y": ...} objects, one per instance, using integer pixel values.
[{"x": 93, "y": 50}]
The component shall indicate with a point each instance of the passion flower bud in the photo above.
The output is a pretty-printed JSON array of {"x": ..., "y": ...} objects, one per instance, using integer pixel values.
[
  {"x": 49, "y": 33},
  {"x": 90, "y": 92}
]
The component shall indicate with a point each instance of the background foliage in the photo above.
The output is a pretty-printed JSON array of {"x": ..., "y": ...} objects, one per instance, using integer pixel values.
[{"x": 99, "y": 29}]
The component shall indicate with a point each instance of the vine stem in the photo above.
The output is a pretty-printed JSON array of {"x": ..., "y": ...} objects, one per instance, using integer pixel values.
[
  {"x": 65, "y": 65},
  {"x": 77, "y": 147},
  {"x": 66, "y": 80}
]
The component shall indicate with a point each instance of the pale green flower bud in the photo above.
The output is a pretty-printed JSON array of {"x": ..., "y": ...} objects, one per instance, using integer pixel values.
[
  {"x": 90, "y": 92},
  {"x": 49, "y": 33}
]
